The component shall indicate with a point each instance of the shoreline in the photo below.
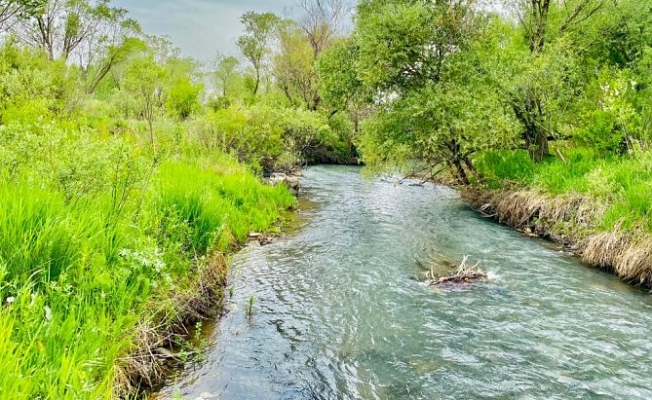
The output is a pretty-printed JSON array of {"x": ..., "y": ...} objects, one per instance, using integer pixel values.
[
  {"x": 145, "y": 371},
  {"x": 569, "y": 220}
]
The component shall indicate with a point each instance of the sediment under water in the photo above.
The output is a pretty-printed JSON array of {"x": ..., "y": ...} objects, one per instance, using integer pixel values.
[{"x": 338, "y": 314}]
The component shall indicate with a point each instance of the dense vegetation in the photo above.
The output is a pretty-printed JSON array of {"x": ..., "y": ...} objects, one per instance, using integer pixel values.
[
  {"x": 129, "y": 171},
  {"x": 541, "y": 109},
  {"x": 129, "y": 175},
  {"x": 543, "y": 94}
]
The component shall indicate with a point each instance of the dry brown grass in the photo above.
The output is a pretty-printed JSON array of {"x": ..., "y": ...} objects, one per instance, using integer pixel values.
[
  {"x": 635, "y": 263},
  {"x": 144, "y": 367},
  {"x": 563, "y": 219},
  {"x": 571, "y": 220},
  {"x": 603, "y": 249}
]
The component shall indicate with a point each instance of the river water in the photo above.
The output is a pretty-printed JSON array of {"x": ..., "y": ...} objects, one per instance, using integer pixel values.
[{"x": 337, "y": 313}]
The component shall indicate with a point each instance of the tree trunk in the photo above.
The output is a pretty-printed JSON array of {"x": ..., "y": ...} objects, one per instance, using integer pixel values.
[
  {"x": 257, "y": 82},
  {"x": 537, "y": 143},
  {"x": 456, "y": 160},
  {"x": 462, "y": 176},
  {"x": 530, "y": 112}
]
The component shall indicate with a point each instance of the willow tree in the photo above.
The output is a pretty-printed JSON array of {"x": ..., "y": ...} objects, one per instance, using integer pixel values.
[
  {"x": 260, "y": 29},
  {"x": 543, "y": 22},
  {"x": 294, "y": 67},
  {"x": 59, "y": 27},
  {"x": 435, "y": 106},
  {"x": 340, "y": 86},
  {"x": 225, "y": 71}
]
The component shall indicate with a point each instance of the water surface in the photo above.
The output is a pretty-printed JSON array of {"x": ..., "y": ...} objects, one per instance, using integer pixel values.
[{"x": 339, "y": 315}]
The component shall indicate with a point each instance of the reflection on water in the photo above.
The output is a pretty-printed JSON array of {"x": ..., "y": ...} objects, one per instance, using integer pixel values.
[{"x": 338, "y": 314}]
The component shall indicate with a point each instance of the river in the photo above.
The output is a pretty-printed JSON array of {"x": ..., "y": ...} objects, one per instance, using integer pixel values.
[{"x": 337, "y": 313}]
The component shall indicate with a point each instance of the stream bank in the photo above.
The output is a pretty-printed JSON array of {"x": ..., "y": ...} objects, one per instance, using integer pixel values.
[
  {"x": 337, "y": 312},
  {"x": 572, "y": 221}
]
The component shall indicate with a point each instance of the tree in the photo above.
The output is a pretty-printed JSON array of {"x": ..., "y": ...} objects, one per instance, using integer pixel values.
[
  {"x": 254, "y": 44},
  {"x": 438, "y": 127},
  {"x": 340, "y": 85},
  {"x": 183, "y": 98},
  {"x": 114, "y": 40},
  {"x": 144, "y": 80},
  {"x": 543, "y": 21},
  {"x": 94, "y": 35},
  {"x": 406, "y": 53},
  {"x": 10, "y": 10},
  {"x": 321, "y": 21},
  {"x": 300, "y": 43},
  {"x": 226, "y": 70},
  {"x": 294, "y": 67},
  {"x": 59, "y": 27},
  {"x": 436, "y": 105}
]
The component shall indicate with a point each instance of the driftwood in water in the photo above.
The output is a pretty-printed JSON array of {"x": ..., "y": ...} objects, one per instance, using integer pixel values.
[
  {"x": 464, "y": 273},
  {"x": 263, "y": 239}
]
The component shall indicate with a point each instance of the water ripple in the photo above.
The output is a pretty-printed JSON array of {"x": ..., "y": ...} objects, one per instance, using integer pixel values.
[{"x": 338, "y": 315}]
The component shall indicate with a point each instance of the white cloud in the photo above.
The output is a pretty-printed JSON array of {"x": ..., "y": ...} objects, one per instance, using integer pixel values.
[{"x": 199, "y": 27}]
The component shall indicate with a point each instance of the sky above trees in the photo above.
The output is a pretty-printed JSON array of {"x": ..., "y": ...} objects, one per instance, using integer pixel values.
[{"x": 199, "y": 27}]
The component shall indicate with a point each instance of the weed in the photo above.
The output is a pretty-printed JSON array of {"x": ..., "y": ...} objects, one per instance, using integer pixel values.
[{"x": 250, "y": 308}]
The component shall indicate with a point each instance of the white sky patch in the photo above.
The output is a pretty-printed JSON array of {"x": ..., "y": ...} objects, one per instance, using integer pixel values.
[{"x": 200, "y": 28}]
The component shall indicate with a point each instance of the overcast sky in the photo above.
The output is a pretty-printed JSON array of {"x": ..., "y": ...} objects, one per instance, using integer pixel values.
[{"x": 199, "y": 27}]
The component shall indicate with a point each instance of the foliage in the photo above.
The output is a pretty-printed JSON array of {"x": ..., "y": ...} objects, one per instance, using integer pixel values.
[
  {"x": 99, "y": 224},
  {"x": 294, "y": 67},
  {"x": 435, "y": 104},
  {"x": 259, "y": 29},
  {"x": 270, "y": 138},
  {"x": 340, "y": 86},
  {"x": 183, "y": 98},
  {"x": 87, "y": 252}
]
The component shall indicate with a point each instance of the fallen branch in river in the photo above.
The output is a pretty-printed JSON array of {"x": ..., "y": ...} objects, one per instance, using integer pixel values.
[{"x": 464, "y": 273}]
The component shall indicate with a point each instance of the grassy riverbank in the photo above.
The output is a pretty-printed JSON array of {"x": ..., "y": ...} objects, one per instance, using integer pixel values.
[
  {"x": 101, "y": 270},
  {"x": 129, "y": 174},
  {"x": 598, "y": 206}
]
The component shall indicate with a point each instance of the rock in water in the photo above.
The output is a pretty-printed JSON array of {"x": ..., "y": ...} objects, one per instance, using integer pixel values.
[{"x": 291, "y": 181}]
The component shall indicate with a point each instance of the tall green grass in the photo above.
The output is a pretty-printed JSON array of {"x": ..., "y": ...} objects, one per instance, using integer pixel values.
[
  {"x": 76, "y": 278},
  {"x": 622, "y": 183}
]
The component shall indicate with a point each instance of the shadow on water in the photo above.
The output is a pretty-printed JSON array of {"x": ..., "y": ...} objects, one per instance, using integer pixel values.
[{"x": 339, "y": 315}]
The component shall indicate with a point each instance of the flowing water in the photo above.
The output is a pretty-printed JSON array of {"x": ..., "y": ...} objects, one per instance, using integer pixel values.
[{"x": 338, "y": 314}]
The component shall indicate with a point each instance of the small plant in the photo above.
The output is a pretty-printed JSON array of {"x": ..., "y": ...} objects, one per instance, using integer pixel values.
[
  {"x": 250, "y": 309},
  {"x": 198, "y": 331},
  {"x": 231, "y": 292}
]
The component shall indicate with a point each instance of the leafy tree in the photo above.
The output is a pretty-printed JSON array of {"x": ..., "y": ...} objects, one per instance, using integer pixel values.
[
  {"x": 542, "y": 22},
  {"x": 225, "y": 72},
  {"x": 183, "y": 98},
  {"x": 405, "y": 45},
  {"x": 294, "y": 67},
  {"x": 144, "y": 80},
  {"x": 10, "y": 10},
  {"x": 255, "y": 43},
  {"x": 435, "y": 103},
  {"x": 115, "y": 38},
  {"x": 340, "y": 86}
]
